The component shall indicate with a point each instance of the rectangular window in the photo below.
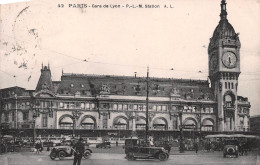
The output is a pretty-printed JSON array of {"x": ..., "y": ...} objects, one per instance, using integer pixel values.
[
  {"x": 114, "y": 106},
  {"x": 78, "y": 105},
  {"x": 61, "y": 105},
  {"x": 120, "y": 106},
  {"x": 228, "y": 104},
  {"x": 229, "y": 85},
  {"x": 211, "y": 110},
  {"x": 87, "y": 106},
  {"x": 225, "y": 85},
  {"x": 207, "y": 110},
  {"x": 93, "y": 106},
  {"x": 125, "y": 107},
  {"x": 140, "y": 107},
  {"x": 232, "y": 85},
  {"x": 66, "y": 105},
  {"x": 164, "y": 108},
  {"x": 44, "y": 119},
  {"x": 135, "y": 107},
  {"x": 154, "y": 107},
  {"x": 82, "y": 105},
  {"x": 159, "y": 108},
  {"x": 130, "y": 106},
  {"x": 144, "y": 107},
  {"x": 25, "y": 115},
  {"x": 72, "y": 105},
  {"x": 193, "y": 109}
]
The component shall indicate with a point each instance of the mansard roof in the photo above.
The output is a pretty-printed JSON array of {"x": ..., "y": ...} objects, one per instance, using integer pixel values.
[{"x": 92, "y": 85}]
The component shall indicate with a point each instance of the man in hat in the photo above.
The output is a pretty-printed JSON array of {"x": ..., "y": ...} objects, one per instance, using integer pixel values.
[{"x": 79, "y": 149}]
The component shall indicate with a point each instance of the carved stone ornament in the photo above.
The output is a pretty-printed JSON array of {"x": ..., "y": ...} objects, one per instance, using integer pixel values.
[
  {"x": 104, "y": 89},
  {"x": 76, "y": 114},
  {"x": 220, "y": 86},
  {"x": 151, "y": 116}
]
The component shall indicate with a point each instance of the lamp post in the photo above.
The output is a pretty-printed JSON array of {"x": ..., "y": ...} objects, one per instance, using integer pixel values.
[
  {"x": 34, "y": 118},
  {"x": 75, "y": 116},
  {"x": 16, "y": 112},
  {"x": 147, "y": 107},
  {"x": 181, "y": 132}
]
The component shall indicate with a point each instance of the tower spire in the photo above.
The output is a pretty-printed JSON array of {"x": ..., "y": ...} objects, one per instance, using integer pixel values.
[{"x": 223, "y": 14}]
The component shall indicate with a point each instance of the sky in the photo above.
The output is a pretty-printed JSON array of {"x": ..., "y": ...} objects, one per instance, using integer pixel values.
[{"x": 122, "y": 41}]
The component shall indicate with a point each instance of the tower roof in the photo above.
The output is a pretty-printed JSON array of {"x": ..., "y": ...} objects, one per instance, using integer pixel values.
[
  {"x": 224, "y": 29},
  {"x": 45, "y": 81}
]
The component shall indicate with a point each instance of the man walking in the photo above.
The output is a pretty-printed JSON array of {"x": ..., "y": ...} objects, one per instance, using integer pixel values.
[
  {"x": 196, "y": 147},
  {"x": 79, "y": 149}
]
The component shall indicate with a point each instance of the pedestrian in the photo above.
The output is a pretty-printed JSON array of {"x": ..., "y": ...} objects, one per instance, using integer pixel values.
[
  {"x": 116, "y": 143},
  {"x": 79, "y": 149},
  {"x": 196, "y": 147},
  {"x": 37, "y": 147}
]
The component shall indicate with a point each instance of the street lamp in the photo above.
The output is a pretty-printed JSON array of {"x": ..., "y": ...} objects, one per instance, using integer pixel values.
[
  {"x": 180, "y": 108},
  {"x": 75, "y": 116}
]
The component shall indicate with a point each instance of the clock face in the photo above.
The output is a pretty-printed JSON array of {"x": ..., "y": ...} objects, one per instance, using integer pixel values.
[{"x": 229, "y": 59}]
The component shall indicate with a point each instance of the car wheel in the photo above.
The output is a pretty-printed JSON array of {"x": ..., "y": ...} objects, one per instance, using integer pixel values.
[
  {"x": 62, "y": 155},
  {"x": 87, "y": 154},
  {"x": 52, "y": 156},
  {"x": 130, "y": 156},
  {"x": 163, "y": 156},
  {"x": 224, "y": 155}
]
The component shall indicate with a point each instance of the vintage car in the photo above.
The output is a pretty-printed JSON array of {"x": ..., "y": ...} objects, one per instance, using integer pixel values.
[
  {"x": 138, "y": 149},
  {"x": 67, "y": 151},
  {"x": 104, "y": 145},
  {"x": 230, "y": 148}
]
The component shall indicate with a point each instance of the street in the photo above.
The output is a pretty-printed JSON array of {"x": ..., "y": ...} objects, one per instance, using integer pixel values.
[{"x": 105, "y": 157}]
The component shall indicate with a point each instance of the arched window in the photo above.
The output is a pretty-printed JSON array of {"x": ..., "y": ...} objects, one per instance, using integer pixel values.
[
  {"x": 228, "y": 101},
  {"x": 159, "y": 124},
  {"x": 207, "y": 125},
  {"x": 120, "y": 124},
  {"x": 140, "y": 124},
  {"x": 189, "y": 124},
  {"x": 88, "y": 123},
  {"x": 66, "y": 123}
]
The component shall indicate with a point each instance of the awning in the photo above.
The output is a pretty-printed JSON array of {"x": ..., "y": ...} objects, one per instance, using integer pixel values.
[
  {"x": 159, "y": 122},
  {"x": 141, "y": 122},
  {"x": 66, "y": 120},
  {"x": 207, "y": 123},
  {"x": 121, "y": 121},
  {"x": 189, "y": 122},
  {"x": 88, "y": 121}
]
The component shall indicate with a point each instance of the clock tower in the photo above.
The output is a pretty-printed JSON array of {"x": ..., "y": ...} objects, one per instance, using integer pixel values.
[{"x": 224, "y": 70}]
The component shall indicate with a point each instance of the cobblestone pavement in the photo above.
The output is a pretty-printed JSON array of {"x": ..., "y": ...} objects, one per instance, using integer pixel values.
[{"x": 115, "y": 156}]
